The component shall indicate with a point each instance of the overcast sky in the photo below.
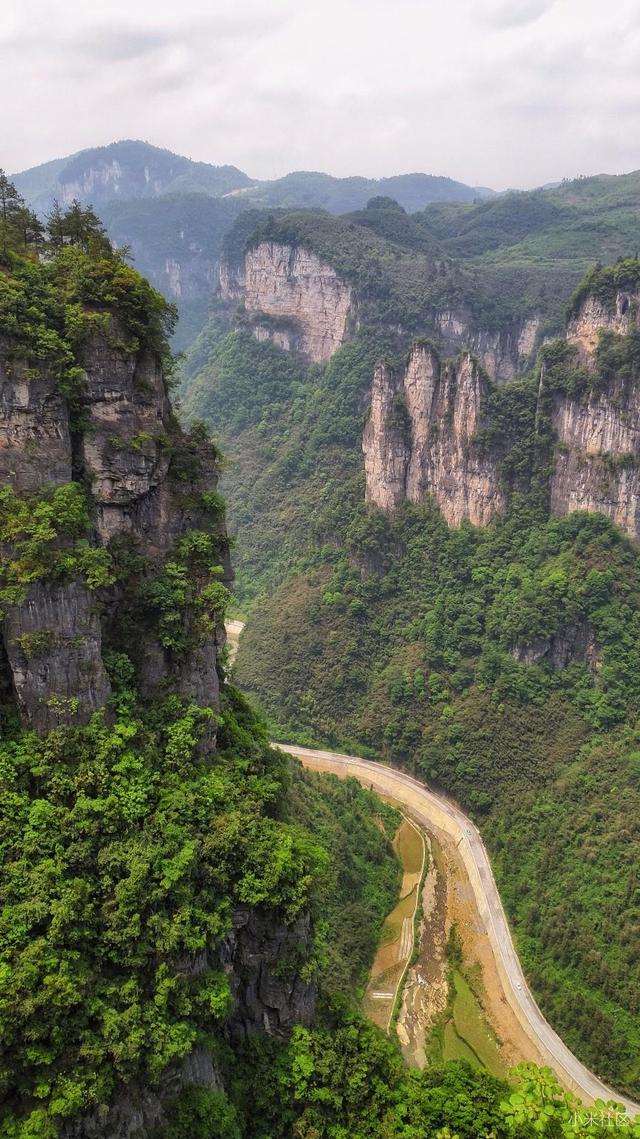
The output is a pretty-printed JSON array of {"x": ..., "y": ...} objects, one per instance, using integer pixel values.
[{"x": 492, "y": 92}]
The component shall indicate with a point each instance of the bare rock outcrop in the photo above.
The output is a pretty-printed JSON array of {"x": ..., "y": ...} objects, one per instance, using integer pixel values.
[
  {"x": 126, "y": 446},
  {"x": 504, "y": 353},
  {"x": 299, "y": 302},
  {"x": 34, "y": 424},
  {"x": 293, "y": 286},
  {"x": 419, "y": 439},
  {"x": 576, "y": 642},
  {"x": 53, "y": 645},
  {"x": 594, "y": 316},
  {"x": 269, "y": 996},
  {"x": 52, "y": 638},
  {"x": 597, "y": 463}
]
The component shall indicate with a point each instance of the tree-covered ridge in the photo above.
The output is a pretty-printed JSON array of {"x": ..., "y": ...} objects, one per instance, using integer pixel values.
[
  {"x": 402, "y": 277},
  {"x": 127, "y": 169},
  {"x": 141, "y": 170},
  {"x": 68, "y": 280},
  {"x": 532, "y": 248}
]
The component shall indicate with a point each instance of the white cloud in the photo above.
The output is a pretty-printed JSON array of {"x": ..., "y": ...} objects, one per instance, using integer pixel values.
[
  {"x": 512, "y": 13},
  {"x": 494, "y": 92}
]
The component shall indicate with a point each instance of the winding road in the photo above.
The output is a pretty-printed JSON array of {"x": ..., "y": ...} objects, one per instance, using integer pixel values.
[{"x": 437, "y": 814}]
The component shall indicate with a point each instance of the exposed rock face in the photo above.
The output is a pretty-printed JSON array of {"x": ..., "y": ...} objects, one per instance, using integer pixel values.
[
  {"x": 52, "y": 641},
  {"x": 137, "y": 1111},
  {"x": 575, "y": 643},
  {"x": 53, "y": 644},
  {"x": 418, "y": 440},
  {"x": 293, "y": 285},
  {"x": 503, "y": 354},
  {"x": 597, "y": 464},
  {"x": 386, "y": 443},
  {"x": 594, "y": 316},
  {"x": 107, "y": 175},
  {"x": 310, "y": 310},
  {"x": 33, "y": 423},
  {"x": 260, "y": 957},
  {"x": 125, "y": 450},
  {"x": 126, "y": 455}
]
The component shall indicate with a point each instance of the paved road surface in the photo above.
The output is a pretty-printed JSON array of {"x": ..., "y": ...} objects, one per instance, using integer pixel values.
[{"x": 437, "y": 814}]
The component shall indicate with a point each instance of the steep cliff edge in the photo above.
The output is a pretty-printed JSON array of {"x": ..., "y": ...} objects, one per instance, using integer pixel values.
[
  {"x": 432, "y": 428},
  {"x": 592, "y": 384},
  {"x": 116, "y": 435},
  {"x": 608, "y": 300},
  {"x": 597, "y": 464},
  {"x": 419, "y": 439},
  {"x": 309, "y": 282},
  {"x": 504, "y": 353},
  {"x": 292, "y": 285}
]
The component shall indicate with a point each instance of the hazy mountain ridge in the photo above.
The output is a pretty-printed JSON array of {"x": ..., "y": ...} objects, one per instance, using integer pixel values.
[
  {"x": 125, "y": 169},
  {"x": 526, "y": 250},
  {"x": 132, "y": 169}
]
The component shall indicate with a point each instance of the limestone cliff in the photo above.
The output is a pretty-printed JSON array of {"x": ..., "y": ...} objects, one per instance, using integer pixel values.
[
  {"x": 504, "y": 353},
  {"x": 300, "y": 302},
  {"x": 419, "y": 439},
  {"x": 597, "y": 462},
  {"x": 619, "y": 314},
  {"x": 126, "y": 446},
  {"x": 291, "y": 285},
  {"x": 595, "y": 413}
]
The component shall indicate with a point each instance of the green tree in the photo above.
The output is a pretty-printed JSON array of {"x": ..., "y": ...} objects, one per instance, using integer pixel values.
[{"x": 20, "y": 228}]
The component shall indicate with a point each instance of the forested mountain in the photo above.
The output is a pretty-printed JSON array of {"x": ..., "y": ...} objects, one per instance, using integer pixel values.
[
  {"x": 123, "y": 170},
  {"x": 437, "y": 509},
  {"x": 340, "y": 195},
  {"x": 437, "y": 558},
  {"x": 525, "y": 250},
  {"x": 172, "y": 213},
  {"x": 186, "y": 916},
  {"x": 134, "y": 169}
]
